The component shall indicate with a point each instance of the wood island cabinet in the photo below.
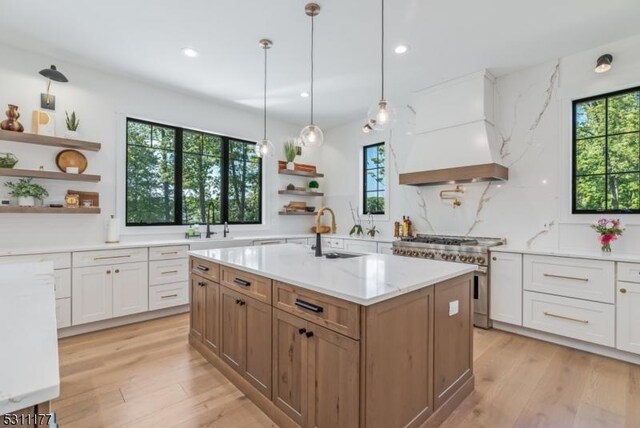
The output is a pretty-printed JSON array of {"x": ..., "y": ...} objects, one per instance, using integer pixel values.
[{"x": 312, "y": 360}]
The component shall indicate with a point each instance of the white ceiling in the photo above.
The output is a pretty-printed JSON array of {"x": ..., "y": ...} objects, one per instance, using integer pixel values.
[{"x": 447, "y": 38}]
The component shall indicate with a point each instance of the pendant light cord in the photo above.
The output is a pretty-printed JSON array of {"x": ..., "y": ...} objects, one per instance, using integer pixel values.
[
  {"x": 265, "y": 93},
  {"x": 312, "y": 31},
  {"x": 382, "y": 51}
]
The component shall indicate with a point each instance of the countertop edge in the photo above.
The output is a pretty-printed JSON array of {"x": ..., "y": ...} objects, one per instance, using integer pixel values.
[{"x": 591, "y": 255}]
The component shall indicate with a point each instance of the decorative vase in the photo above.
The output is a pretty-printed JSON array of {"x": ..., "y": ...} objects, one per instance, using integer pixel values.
[
  {"x": 11, "y": 123},
  {"x": 606, "y": 248},
  {"x": 26, "y": 201},
  {"x": 291, "y": 166}
]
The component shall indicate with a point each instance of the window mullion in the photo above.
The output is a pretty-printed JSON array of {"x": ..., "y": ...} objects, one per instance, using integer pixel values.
[{"x": 178, "y": 153}]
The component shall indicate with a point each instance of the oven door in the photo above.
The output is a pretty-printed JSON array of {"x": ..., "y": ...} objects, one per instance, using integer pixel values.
[{"x": 481, "y": 298}]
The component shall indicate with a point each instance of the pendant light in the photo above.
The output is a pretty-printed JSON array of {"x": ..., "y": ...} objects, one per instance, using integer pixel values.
[
  {"x": 311, "y": 135},
  {"x": 265, "y": 147},
  {"x": 382, "y": 116}
]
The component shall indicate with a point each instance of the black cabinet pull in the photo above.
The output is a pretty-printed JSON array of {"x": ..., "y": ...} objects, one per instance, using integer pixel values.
[
  {"x": 237, "y": 301},
  {"x": 309, "y": 306},
  {"x": 309, "y": 334},
  {"x": 202, "y": 268},
  {"x": 242, "y": 282},
  {"x": 202, "y": 284},
  {"x": 242, "y": 302},
  {"x": 302, "y": 331}
]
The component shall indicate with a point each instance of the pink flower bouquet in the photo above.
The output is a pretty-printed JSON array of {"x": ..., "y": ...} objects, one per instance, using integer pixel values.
[{"x": 609, "y": 230}]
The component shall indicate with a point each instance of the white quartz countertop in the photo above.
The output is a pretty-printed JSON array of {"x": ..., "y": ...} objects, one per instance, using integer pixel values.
[
  {"x": 581, "y": 254},
  {"x": 28, "y": 337},
  {"x": 368, "y": 279}
]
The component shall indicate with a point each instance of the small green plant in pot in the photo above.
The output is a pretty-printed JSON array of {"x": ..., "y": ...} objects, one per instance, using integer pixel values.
[
  {"x": 290, "y": 152},
  {"x": 314, "y": 186},
  {"x": 72, "y": 124},
  {"x": 26, "y": 192}
]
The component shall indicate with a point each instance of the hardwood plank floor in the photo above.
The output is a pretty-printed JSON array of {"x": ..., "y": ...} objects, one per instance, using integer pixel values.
[{"x": 147, "y": 375}]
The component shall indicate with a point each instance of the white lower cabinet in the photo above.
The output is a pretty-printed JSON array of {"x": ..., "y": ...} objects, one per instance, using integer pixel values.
[
  {"x": 574, "y": 318},
  {"x": 303, "y": 241},
  {"x": 62, "y": 283},
  {"x": 63, "y": 312},
  {"x": 628, "y": 317},
  {"x": 506, "y": 288},
  {"x": 168, "y": 295},
  {"x": 102, "y": 292},
  {"x": 360, "y": 246},
  {"x": 385, "y": 248}
]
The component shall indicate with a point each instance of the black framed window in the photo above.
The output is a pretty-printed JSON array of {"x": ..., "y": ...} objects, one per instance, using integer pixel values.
[
  {"x": 373, "y": 179},
  {"x": 179, "y": 176},
  {"x": 606, "y": 153}
]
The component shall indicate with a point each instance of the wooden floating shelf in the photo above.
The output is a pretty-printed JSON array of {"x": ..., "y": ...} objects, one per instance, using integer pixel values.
[
  {"x": 44, "y": 140},
  {"x": 48, "y": 210},
  {"x": 296, "y": 213},
  {"x": 49, "y": 175},
  {"x": 299, "y": 193},
  {"x": 300, "y": 173}
]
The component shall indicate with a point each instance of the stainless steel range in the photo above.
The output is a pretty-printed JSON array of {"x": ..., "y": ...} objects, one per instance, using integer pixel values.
[{"x": 461, "y": 249}]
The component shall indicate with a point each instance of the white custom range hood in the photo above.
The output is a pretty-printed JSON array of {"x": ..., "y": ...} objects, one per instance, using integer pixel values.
[{"x": 454, "y": 139}]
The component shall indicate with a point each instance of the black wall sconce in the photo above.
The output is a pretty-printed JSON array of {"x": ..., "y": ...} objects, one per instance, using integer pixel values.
[
  {"x": 604, "y": 63},
  {"x": 48, "y": 101}
]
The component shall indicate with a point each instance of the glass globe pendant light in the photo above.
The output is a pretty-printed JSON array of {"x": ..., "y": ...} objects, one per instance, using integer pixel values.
[
  {"x": 311, "y": 135},
  {"x": 264, "y": 148},
  {"x": 382, "y": 115}
]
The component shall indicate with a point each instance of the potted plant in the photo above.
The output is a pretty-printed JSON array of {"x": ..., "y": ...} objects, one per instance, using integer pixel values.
[
  {"x": 26, "y": 192},
  {"x": 8, "y": 160},
  {"x": 313, "y": 186},
  {"x": 290, "y": 153},
  {"x": 72, "y": 124},
  {"x": 357, "y": 223}
]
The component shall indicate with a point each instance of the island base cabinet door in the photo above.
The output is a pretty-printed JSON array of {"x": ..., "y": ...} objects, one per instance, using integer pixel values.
[
  {"x": 92, "y": 294},
  {"x": 628, "y": 317},
  {"x": 333, "y": 379},
  {"x": 130, "y": 289},
  {"x": 212, "y": 317},
  {"x": 289, "y": 365},
  {"x": 233, "y": 328},
  {"x": 197, "y": 298},
  {"x": 257, "y": 358},
  {"x": 506, "y": 288}
]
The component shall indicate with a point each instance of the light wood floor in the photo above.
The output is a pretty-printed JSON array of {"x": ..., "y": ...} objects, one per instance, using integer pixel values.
[{"x": 146, "y": 375}]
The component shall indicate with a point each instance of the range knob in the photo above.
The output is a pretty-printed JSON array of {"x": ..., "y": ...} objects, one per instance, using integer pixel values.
[
  {"x": 452, "y": 257},
  {"x": 463, "y": 258},
  {"x": 423, "y": 254},
  {"x": 445, "y": 256},
  {"x": 431, "y": 254},
  {"x": 471, "y": 259},
  {"x": 480, "y": 260}
]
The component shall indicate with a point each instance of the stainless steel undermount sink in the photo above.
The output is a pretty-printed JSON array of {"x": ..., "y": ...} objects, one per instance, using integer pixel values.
[{"x": 334, "y": 255}]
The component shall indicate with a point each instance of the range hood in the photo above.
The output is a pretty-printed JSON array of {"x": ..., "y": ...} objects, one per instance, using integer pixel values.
[{"x": 454, "y": 140}]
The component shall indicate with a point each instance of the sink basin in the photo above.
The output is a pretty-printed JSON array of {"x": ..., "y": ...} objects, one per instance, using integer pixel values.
[{"x": 334, "y": 255}]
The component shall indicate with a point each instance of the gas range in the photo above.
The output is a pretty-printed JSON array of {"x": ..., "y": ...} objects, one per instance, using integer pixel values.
[{"x": 462, "y": 249}]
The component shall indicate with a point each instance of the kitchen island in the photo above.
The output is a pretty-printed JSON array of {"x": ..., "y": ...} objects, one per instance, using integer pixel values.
[{"x": 368, "y": 341}]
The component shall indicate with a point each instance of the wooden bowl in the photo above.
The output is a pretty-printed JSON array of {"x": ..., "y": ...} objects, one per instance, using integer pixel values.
[{"x": 67, "y": 158}]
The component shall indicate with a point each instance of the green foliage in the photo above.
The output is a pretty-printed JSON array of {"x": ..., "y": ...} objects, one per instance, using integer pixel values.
[
  {"x": 607, "y": 153},
  {"x": 72, "y": 121},
  {"x": 290, "y": 150},
  {"x": 25, "y": 188},
  {"x": 313, "y": 184},
  {"x": 375, "y": 179},
  {"x": 356, "y": 230},
  {"x": 372, "y": 231}
]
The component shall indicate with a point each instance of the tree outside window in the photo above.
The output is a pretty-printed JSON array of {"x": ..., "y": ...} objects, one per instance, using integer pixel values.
[{"x": 374, "y": 179}]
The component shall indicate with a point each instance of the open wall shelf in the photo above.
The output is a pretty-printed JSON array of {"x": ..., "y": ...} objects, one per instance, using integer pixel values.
[
  {"x": 295, "y": 213},
  {"x": 44, "y": 140},
  {"x": 49, "y": 175},
  {"x": 299, "y": 193},
  {"x": 48, "y": 210},
  {"x": 300, "y": 173}
]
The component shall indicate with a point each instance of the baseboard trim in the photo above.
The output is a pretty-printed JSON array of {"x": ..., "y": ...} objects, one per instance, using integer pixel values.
[
  {"x": 117, "y": 322},
  {"x": 568, "y": 342}
]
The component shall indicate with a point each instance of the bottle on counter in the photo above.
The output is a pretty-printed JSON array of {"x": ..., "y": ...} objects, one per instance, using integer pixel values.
[
  {"x": 396, "y": 229},
  {"x": 409, "y": 231},
  {"x": 405, "y": 226}
]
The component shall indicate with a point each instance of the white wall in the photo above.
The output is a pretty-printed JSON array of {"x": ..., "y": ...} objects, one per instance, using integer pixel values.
[
  {"x": 102, "y": 101},
  {"x": 533, "y": 115}
]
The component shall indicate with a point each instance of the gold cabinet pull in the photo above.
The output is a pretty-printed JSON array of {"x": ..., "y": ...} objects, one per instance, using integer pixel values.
[
  {"x": 167, "y": 272},
  {"x": 112, "y": 257},
  {"x": 549, "y": 314},
  {"x": 168, "y": 295},
  {"x": 167, "y": 253},
  {"x": 550, "y": 275},
  {"x": 623, "y": 290}
]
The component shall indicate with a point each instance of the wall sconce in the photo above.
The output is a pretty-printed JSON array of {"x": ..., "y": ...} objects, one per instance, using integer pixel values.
[
  {"x": 367, "y": 128},
  {"x": 48, "y": 101},
  {"x": 444, "y": 195},
  {"x": 604, "y": 63}
]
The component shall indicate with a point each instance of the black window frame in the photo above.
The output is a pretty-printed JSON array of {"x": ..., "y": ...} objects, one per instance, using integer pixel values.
[
  {"x": 574, "y": 166},
  {"x": 178, "y": 196},
  {"x": 365, "y": 170}
]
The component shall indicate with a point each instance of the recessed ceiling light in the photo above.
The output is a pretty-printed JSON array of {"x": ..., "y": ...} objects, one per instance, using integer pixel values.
[
  {"x": 190, "y": 52},
  {"x": 304, "y": 94},
  {"x": 401, "y": 49}
]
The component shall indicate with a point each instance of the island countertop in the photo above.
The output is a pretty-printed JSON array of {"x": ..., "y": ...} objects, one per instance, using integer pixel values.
[{"x": 367, "y": 279}]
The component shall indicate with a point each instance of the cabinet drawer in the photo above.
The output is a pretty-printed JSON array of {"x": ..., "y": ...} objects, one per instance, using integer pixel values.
[
  {"x": 578, "y": 319},
  {"x": 246, "y": 283},
  {"x": 579, "y": 278},
  {"x": 62, "y": 283},
  {"x": 168, "y": 295},
  {"x": 168, "y": 271},
  {"x": 63, "y": 313},
  {"x": 629, "y": 272},
  {"x": 335, "y": 314},
  {"x": 166, "y": 253},
  {"x": 109, "y": 257},
  {"x": 60, "y": 260},
  {"x": 205, "y": 269}
]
